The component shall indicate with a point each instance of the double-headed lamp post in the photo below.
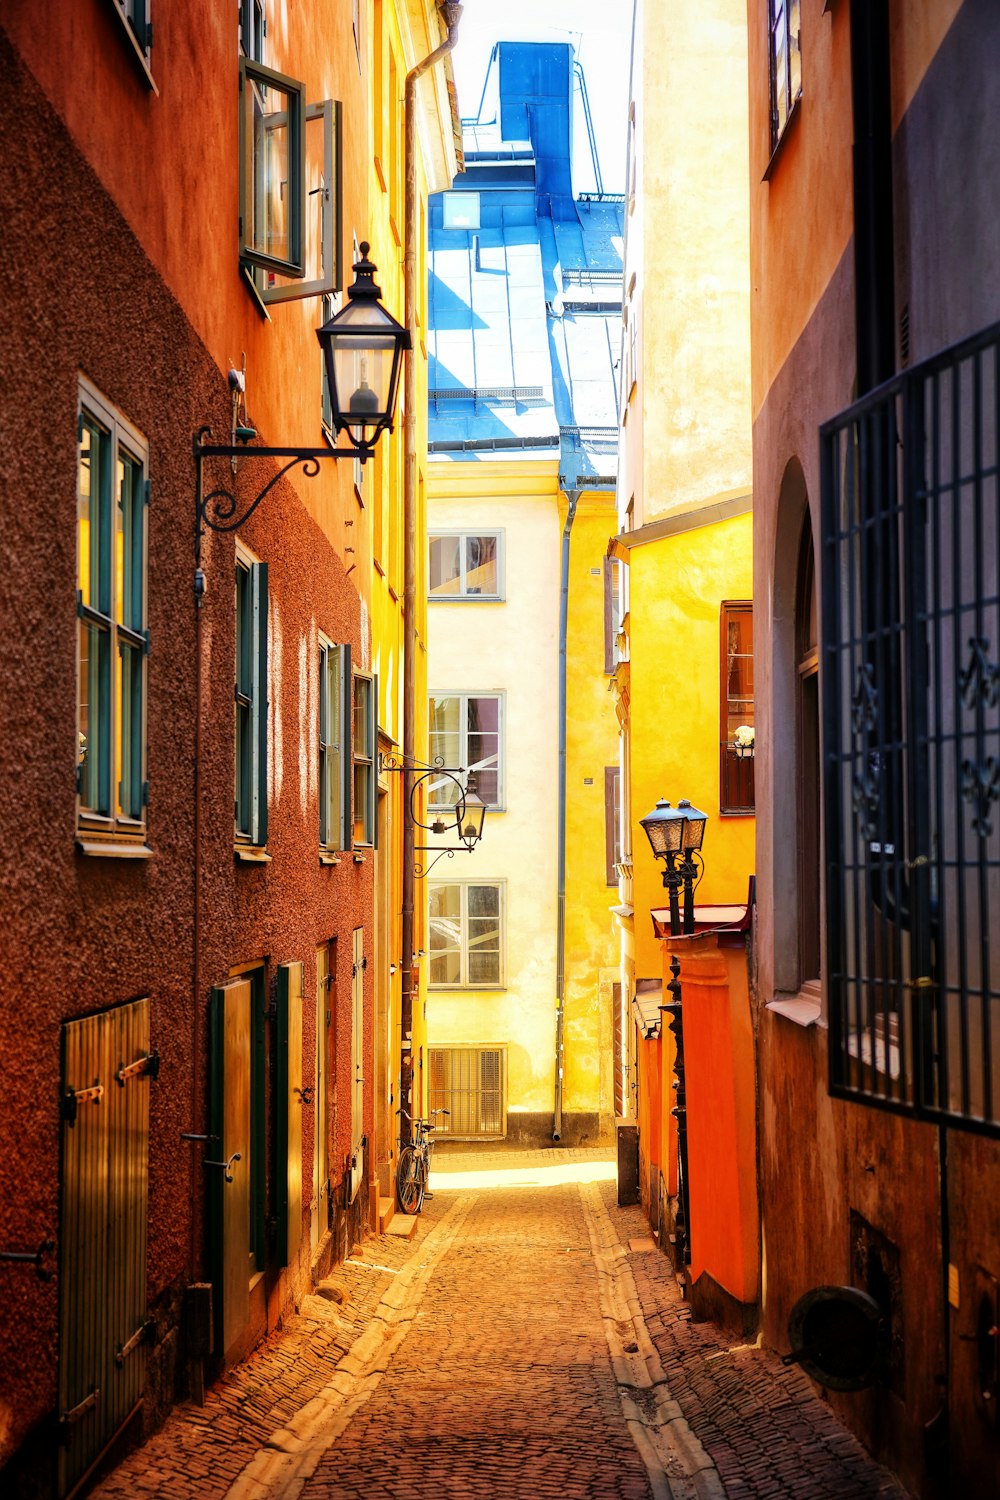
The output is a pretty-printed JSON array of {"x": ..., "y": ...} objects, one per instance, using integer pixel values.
[{"x": 675, "y": 835}]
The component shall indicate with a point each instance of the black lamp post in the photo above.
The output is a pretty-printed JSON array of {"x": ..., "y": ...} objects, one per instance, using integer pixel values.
[
  {"x": 363, "y": 347},
  {"x": 675, "y": 835}
]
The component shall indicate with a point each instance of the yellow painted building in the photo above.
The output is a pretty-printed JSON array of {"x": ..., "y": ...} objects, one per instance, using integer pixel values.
[
  {"x": 402, "y": 35},
  {"x": 494, "y": 957},
  {"x": 683, "y": 555}
]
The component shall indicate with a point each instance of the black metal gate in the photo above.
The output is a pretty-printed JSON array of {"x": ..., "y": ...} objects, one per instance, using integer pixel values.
[
  {"x": 911, "y": 732},
  {"x": 103, "y": 1325}
]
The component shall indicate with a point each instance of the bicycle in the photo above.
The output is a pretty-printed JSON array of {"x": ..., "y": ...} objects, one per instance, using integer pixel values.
[{"x": 413, "y": 1169}]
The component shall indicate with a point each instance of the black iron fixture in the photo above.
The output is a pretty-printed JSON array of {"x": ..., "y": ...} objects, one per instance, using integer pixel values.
[
  {"x": 675, "y": 835},
  {"x": 464, "y": 817},
  {"x": 363, "y": 348},
  {"x": 678, "y": 832}
]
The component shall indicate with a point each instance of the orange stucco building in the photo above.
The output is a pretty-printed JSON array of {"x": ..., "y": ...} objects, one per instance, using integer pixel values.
[{"x": 198, "y": 925}]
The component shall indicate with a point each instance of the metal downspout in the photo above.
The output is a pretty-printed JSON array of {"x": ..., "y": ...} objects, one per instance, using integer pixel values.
[
  {"x": 574, "y": 496},
  {"x": 450, "y": 14}
]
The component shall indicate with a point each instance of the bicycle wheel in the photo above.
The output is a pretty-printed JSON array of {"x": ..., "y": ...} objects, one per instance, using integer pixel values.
[{"x": 410, "y": 1180}]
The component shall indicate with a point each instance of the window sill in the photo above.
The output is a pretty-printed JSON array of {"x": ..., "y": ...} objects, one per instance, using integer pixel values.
[
  {"x": 329, "y": 859},
  {"x": 247, "y": 273},
  {"x": 466, "y": 599},
  {"x": 804, "y": 1009},
  {"x": 737, "y": 812},
  {"x": 105, "y": 849},
  {"x": 793, "y": 115},
  {"x": 132, "y": 42},
  {"x": 249, "y": 854}
]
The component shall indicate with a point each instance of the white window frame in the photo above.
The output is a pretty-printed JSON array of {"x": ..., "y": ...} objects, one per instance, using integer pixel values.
[
  {"x": 463, "y": 761},
  {"x": 464, "y": 983},
  {"x": 110, "y": 822},
  {"x": 335, "y": 753},
  {"x": 464, "y": 532}
]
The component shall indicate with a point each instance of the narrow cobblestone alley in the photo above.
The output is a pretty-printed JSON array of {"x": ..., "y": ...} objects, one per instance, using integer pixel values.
[{"x": 529, "y": 1342}]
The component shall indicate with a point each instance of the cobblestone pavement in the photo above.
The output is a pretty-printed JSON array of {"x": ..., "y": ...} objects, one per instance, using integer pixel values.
[{"x": 518, "y": 1345}]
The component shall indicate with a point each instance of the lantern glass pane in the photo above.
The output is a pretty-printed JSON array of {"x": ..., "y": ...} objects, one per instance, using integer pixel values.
[{"x": 363, "y": 373}]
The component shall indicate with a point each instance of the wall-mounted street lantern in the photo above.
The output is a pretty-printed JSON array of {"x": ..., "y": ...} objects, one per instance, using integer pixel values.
[
  {"x": 675, "y": 835},
  {"x": 463, "y": 819},
  {"x": 363, "y": 348}
]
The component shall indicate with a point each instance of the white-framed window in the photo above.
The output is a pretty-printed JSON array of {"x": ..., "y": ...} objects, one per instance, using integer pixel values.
[
  {"x": 466, "y": 921},
  {"x": 466, "y": 565},
  {"x": 785, "y": 61},
  {"x": 364, "y": 760},
  {"x": 335, "y": 760},
  {"x": 460, "y": 210},
  {"x": 112, "y": 639},
  {"x": 466, "y": 731},
  {"x": 251, "y": 699}
]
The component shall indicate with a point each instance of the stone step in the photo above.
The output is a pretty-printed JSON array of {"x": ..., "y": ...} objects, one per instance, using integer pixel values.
[
  {"x": 386, "y": 1209},
  {"x": 405, "y": 1225}
]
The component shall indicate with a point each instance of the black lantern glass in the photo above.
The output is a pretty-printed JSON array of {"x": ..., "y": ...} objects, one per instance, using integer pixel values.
[
  {"x": 664, "y": 827},
  {"x": 694, "y": 826},
  {"x": 363, "y": 348}
]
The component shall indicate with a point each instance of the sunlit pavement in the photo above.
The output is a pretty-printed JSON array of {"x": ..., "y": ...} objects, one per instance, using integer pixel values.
[{"x": 530, "y": 1341}]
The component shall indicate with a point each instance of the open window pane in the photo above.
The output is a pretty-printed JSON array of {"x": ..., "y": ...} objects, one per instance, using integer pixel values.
[
  {"x": 321, "y": 247},
  {"x": 272, "y": 169}
]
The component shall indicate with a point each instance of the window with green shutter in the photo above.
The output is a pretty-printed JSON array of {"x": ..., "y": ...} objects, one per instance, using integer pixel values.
[
  {"x": 251, "y": 700},
  {"x": 335, "y": 764},
  {"x": 112, "y": 639}
]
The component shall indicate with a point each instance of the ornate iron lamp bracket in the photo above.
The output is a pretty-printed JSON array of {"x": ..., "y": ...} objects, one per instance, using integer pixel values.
[{"x": 422, "y": 772}]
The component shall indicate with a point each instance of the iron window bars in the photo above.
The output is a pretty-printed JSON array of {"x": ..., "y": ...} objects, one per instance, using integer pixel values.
[{"x": 911, "y": 731}]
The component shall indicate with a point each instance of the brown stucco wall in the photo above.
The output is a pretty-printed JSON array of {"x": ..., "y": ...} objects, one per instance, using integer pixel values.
[
  {"x": 822, "y": 1160},
  {"x": 80, "y": 934}
]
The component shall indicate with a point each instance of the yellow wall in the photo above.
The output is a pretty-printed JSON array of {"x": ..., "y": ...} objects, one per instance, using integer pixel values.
[
  {"x": 591, "y": 746},
  {"x": 687, "y": 424},
  {"x": 677, "y": 585}
]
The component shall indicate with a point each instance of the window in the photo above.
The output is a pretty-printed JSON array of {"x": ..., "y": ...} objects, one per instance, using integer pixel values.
[
  {"x": 785, "y": 63},
  {"x": 466, "y": 565},
  {"x": 137, "y": 27},
  {"x": 272, "y": 170},
  {"x": 460, "y": 210},
  {"x": 253, "y": 29},
  {"x": 466, "y": 732},
  {"x": 736, "y": 788},
  {"x": 251, "y": 699},
  {"x": 612, "y": 613},
  {"x": 335, "y": 764},
  {"x": 612, "y": 823},
  {"x": 365, "y": 768},
  {"x": 465, "y": 932},
  {"x": 111, "y": 605},
  {"x": 468, "y": 1083}
]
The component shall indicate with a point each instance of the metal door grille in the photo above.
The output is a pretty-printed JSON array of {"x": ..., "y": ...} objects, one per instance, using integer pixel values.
[
  {"x": 102, "y": 1230},
  {"x": 911, "y": 728},
  {"x": 469, "y": 1081}
]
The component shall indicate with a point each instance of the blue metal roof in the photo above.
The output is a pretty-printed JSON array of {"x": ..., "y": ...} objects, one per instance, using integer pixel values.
[{"x": 525, "y": 310}]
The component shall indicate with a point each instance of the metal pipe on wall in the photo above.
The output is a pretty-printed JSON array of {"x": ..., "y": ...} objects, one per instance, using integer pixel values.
[
  {"x": 450, "y": 14},
  {"x": 574, "y": 498}
]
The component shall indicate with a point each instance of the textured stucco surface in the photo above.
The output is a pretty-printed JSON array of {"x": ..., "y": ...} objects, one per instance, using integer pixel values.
[{"x": 80, "y": 934}]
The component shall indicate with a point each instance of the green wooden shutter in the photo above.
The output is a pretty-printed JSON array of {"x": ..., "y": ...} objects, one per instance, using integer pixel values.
[
  {"x": 229, "y": 1124},
  {"x": 260, "y": 697},
  {"x": 291, "y": 982}
]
